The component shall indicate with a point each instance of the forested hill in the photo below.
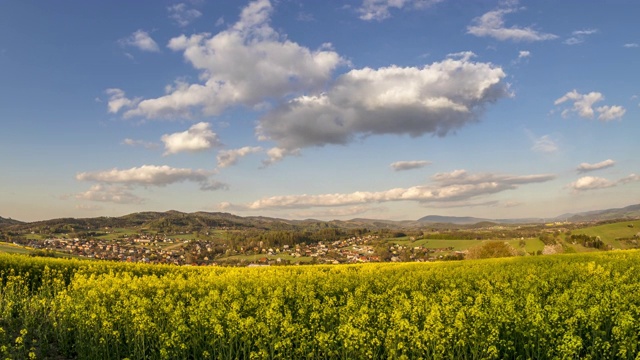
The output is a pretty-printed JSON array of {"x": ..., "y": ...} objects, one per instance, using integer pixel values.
[
  {"x": 174, "y": 221},
  {"x": 5, "y": 221}
]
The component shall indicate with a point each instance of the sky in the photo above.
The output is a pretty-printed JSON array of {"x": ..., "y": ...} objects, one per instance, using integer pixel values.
[{"x": 386, "y": 109}]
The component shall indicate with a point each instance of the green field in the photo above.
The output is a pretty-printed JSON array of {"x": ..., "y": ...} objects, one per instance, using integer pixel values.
[
  {"x": 13, "y": 249},
  {"x": 608, "y": 233},
  {"x": 538, "y": 307},
  {"x": 531, "y": 245}
]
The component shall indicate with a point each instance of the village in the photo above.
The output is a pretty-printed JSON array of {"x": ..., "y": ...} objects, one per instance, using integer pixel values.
[{"x": 166, "y": 250}]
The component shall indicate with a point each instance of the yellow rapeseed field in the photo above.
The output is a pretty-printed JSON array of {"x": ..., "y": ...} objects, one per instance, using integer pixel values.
[{"x": 546, "y": 307}]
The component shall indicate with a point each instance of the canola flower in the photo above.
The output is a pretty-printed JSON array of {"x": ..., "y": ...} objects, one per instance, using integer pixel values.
[{"x": 549, "y": 307}]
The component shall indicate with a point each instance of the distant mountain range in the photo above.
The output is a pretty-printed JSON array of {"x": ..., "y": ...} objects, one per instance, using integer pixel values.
[
  {"x": 203, "y": 220},
  {"x": 629, "y": 212}
]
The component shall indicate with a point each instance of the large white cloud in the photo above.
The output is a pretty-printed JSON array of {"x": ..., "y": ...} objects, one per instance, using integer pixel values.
[
  {"x": 379, "y": 9},
  {"x": 244, "y": 65},
  {"x": 198, "y": 137},
  {"x": 435, "y": 99},
  {"x": 491, "y": 24},
  {"x": 586, "y": 167},
  {"x": 152, "y": 175},
  {"x": 455, "y": 186},
  {"x": 409, "y": 165},
  {"x": 140, "y": 39},
  {"x": 228, "y": 158},
  {"x": 583, "y": 105}
]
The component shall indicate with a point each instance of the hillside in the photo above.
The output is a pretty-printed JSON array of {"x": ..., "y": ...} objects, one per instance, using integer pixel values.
[
  {"x": 7, "y": 222},
  {"x": 629, "y": 212}
]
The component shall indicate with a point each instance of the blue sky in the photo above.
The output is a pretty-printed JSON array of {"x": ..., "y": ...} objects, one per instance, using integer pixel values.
[{"x": 318, "y": 109}]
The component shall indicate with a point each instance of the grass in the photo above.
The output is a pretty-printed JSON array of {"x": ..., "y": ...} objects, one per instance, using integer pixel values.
[
  {"x": 13, "y": 249},
  {"x": 531, "y": 244},
  {"x": 608, "y": 233}
]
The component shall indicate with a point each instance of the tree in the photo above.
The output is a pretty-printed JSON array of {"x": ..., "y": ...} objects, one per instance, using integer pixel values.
[{"x": 491, "y": 249}]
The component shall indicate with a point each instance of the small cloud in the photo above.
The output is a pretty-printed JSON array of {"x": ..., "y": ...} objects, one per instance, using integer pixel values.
[
  {"x": 631, "y": 45},
  {"x": 109, "y": 193},
  {"x": 579, "y": 36},
  {"x": 219, "y": 22},
  {"x": 145, "y": 144},
  {"x": 587, "y": 183},
  {"x": 118, "y": 100},
  {"x": 608, "y": 113},
  {"x": 182, "y": 15},
  {"x": 276, "y": 154},
  {"x": 492, "y": 24},
  {"x": 228, "y": 158},
  {"x": 629, "y": 179},
  {"x": 87, "y": 207},
  {"x": 544, "y": 144},
  {"x": 586, "y": 167},
  {"x": 583, "y": 105},
  {"x": 409, "y": 165},
  {"x": 524, "y": 54},
  {"x": 140, "y": 39},
  {"x": 379, "y": 9},
  {"x": 338, "y": 212},
  {"x": 305, "y": 17},
  {"x": 198, "y": 137}
]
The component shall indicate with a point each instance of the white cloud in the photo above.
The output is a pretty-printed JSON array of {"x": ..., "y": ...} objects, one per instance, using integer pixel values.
[
  {"x": 198, "y": 137},
  {"x": 145, "y": 144},
  {"x": 409, "y": 165},
  {"x": 152, "y": 175},
  {"x": 276, "y": 154},
  {"x": 608, "y": 113},
  {"x": 583, "y": 106},
  {"x": 379, "y": 9},
  {"x": 524, "y": 54},
  {"x": 579, "y": 36},
  {"x": 593, "y": 183},
  {"x": 182, "y": 15},
  {"x": 228, "y": 158},
  {"x": 109, "y": 193},
  {"x": 492, "y": 25},
  {"x": 544, "y": 144},
  {"x": 455, "y": 186},
  {"x": 586, "y": 183},
  {"x": 586, "y": 167},
  {"x": 244, "y": 65},
  {"x": 437, "y": 99},
  {"x": 339, "y": 212},
  {"x": 629, "y": 179},
  {"x": 631, "y": 45},
  {"x": 118, "y": 100},
  {"x": 141, "y": 40},
  {"x": 87, "y": 207}
]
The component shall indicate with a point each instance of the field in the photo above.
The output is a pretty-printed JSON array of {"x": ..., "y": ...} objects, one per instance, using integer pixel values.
[
  {"x": 13, "y": 249},
  {"x": 542, "y": 307},
  {"x": 611, "y": 233}
]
